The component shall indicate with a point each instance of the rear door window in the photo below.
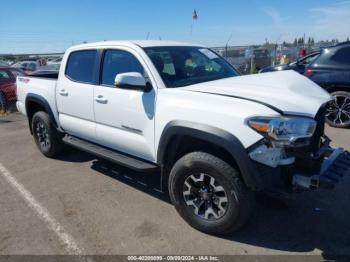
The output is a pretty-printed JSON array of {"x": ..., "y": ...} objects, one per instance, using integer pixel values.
[
  {"x": 80, "y": 66},
  {"x": 342, "y": 56},
  {"x": 334, "y": 57}
]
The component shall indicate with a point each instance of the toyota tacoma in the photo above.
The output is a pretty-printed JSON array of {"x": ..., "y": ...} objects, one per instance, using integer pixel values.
[{"x": 215, "y": 137}]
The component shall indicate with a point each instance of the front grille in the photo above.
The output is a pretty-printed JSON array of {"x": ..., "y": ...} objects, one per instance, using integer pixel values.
[{"x": 320, "y": 118}]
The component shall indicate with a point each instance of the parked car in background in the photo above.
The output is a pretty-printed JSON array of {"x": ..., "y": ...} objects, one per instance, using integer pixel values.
[
  {"x": 48, "y": 69},
  {"x": 3, "y": 63},
  {"x": 8, "y": 86},
  {"x": 298, "y": 65},
  {"x": 30, "y": 66},
  {"x": 331, "y": 70}
]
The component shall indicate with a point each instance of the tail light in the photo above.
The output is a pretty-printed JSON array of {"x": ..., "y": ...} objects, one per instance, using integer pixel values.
[{"x": 308, "y": 72}]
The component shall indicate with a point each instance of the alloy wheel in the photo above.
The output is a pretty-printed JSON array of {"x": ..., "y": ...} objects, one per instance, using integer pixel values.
[
  {"x": 205, "y": 196},
  {"x": 338, "y": 111},
  {"x": 42, "y": 135}
]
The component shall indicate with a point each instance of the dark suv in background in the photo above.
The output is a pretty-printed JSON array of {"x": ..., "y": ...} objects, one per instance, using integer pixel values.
[
  {"x": 298, "y": 66},
  {"x": 331, "y": 70}
]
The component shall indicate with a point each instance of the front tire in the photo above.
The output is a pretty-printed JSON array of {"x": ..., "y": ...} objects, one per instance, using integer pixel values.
[
  {"x": 47, "y": 138},
  {"x": 338, "y": 111},
  {"x": 209, "y": 194}
]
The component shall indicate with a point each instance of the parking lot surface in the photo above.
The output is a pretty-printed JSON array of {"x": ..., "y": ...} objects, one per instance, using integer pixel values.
[{"x": 79, "y": 204}]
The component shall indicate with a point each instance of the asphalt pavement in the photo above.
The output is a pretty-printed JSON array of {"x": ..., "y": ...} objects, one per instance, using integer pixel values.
[{"x": 77, "y": 204}]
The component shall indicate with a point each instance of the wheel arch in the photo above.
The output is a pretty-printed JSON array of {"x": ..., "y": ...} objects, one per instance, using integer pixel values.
[
  {"x": 3, "y": 93},
  {"x": 35, "y": 103},
  {"x": 336, "y": 88},
  {"x": 229, "y": 145}
]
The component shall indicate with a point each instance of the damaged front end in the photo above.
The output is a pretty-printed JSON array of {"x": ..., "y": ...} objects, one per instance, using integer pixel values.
[{"x": 295, "y": 155}]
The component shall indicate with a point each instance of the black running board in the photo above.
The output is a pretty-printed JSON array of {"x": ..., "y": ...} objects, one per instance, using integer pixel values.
[{"x": 108, "y": 154}]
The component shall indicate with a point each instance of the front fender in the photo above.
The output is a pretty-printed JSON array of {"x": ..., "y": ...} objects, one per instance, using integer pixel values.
[{"x": 216, "y": 136}]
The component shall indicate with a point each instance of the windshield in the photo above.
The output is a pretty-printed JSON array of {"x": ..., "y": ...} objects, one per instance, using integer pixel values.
[
  {"x": 183, "y": 65},
  {"x": 306, "y": 60}
]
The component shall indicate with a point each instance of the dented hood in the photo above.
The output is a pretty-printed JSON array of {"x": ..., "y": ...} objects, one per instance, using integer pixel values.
[{"x": 286, "y": 91}]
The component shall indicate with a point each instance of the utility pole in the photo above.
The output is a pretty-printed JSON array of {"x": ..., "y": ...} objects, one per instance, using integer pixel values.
[
  {"x": 274, "y": 60},
  {"x": 226, "y": 46}
]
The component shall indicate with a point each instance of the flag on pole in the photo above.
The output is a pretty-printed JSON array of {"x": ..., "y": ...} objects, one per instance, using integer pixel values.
[{"x": 194, "y": 15}]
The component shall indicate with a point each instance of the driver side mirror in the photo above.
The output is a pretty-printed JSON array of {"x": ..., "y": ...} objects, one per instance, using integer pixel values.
[{"x": 133, "y": 81}]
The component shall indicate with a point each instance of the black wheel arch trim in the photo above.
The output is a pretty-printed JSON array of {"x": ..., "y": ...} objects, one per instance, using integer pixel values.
[
  {"x": 42, "y": 102},
  {"x": 215, "y": 136}
]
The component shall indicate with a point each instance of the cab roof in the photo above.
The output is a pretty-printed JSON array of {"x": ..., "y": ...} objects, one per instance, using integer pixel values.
[{"x": 140, "y": 43}]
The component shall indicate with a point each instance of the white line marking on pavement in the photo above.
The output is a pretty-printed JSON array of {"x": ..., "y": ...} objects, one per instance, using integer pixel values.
[{"x": 67, "y": 240}]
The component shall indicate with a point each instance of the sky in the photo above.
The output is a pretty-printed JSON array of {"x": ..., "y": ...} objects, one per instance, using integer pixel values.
[{"x": 39, "y": 26}]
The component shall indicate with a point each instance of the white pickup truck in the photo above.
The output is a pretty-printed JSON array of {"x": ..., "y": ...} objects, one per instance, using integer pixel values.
[{"x": 215, "y": 137}]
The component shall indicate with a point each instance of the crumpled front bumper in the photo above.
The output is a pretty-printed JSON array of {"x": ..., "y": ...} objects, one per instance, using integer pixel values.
[{"x": 335, "y": 165}]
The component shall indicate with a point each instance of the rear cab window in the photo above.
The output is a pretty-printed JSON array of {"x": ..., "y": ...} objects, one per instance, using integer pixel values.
[{"x": 81, "y": 66}]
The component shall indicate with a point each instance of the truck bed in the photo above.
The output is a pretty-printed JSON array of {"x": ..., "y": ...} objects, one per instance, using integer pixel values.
[
  {"x": 41, "y": 87},
  {"x": 45, "y": 74}
]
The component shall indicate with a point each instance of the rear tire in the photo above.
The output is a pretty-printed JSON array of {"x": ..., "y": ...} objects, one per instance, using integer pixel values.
[
  {"x": 3, "y": 103},
  {"x": 47, "y": 138},
  {"x": 201, "y": 177},
  {"x": 338, "y": 111}
]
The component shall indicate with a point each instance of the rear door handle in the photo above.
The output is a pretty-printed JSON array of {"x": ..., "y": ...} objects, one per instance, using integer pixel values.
[
  {"x": 100, "y": 99},
  {"x": 63, "y": 92}
]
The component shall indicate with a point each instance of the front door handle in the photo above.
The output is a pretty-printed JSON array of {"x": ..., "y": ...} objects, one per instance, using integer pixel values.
[
  {"x": 63, "y": 92},
  {"x": 100, "y": 99}
]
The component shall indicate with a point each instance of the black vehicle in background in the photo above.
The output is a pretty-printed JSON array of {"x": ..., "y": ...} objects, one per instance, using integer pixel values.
[
  {"x": 331, "y": 70},
  {"x": 298, "y": 65}
]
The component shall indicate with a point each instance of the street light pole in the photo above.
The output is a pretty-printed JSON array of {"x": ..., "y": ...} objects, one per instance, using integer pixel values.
[{"x": 226, "y": 46}]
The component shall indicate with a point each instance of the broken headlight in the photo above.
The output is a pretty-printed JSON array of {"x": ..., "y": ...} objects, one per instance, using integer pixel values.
[{"x": 284, "y": 131}]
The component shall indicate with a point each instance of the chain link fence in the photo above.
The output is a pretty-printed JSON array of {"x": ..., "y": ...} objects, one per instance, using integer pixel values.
[{"x": 250, "y": 59}]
